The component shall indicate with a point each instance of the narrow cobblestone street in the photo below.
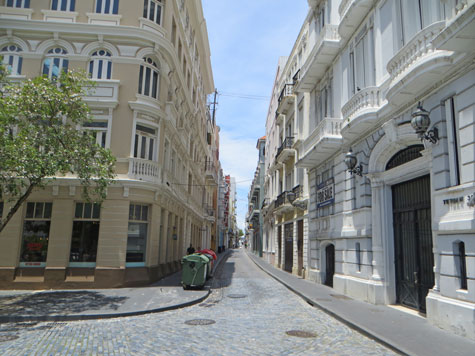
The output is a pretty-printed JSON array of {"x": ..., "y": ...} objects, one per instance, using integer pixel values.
[{"x": 249, "y": 314}]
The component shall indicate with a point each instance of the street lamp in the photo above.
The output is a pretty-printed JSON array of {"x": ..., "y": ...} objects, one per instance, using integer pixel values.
[
  {"x": 421, "y": 122},
  {"x": 351, "y": 161}
]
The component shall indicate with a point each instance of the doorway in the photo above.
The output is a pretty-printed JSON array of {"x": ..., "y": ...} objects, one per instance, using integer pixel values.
[
  {"x": 413, "y": 242},
  {"x": 329, "y": 264},
  {"x": 289, "y": 247},
  {"x": 300, "y": 247}
]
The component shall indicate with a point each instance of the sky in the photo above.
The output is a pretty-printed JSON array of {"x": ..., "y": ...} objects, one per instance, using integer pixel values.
[{"x": 247, "y": 38}]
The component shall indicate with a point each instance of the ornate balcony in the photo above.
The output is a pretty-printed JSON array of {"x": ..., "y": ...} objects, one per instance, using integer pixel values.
[
  {"x": 282, "y": 203},
  {"x": 417, "y": 66},
  {"x": 322, "y": 56},
  {"x": 142, "y": 169},
  {"x": 323, "y": 142},
  {"x": 285, "y": 150},
  {"x": 352, "y": 13},
  {"x": 360, "y": 112},
  {"x": 286, "y": 99}
]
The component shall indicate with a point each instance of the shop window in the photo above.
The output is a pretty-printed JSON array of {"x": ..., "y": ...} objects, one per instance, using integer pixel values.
[
  {"x": 137, "y": 235},
  {"x": 152, "y": 10},
  {"x": 63, "y": 5},
  {"x": 149, "y": 78},
  {"x": 25, "y": 4},
  {"x": 100, "y": 66},
  {"x": 98, "y": 130},
  {"x": 85, "y": 235},
  {"x": 107, "y": 7},
  {"x": 55, "y": 62},
  {"x": 35, "y": 235},
  {"x": 11, "y": 59},
  {"x": 145, "y": 143}
]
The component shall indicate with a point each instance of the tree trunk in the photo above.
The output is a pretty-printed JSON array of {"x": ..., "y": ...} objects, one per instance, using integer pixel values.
[{"x": 15, "y": 207}]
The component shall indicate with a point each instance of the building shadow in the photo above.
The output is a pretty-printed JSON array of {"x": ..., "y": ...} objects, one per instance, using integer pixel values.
[{"x": 61, "y": 302}]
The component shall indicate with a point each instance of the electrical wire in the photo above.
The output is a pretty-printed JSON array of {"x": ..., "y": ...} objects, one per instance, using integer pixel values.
[{"x": 244, "y": 96}]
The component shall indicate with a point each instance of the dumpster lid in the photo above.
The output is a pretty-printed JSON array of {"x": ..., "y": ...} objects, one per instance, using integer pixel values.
[{"x": 196, "y": 258}]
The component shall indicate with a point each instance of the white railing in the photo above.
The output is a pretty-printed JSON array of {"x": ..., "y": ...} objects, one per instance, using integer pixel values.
[
  {"x": 418, "y": 47},
  {"x": 328, "y": 33},
  {"x": 145, "y": 170},
  {"x": 368, "y": 98},
  {"x": 328, "y": 127}
]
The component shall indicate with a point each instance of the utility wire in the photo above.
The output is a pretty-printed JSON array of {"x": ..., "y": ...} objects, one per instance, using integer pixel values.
[{"x": 244, "y": 96}]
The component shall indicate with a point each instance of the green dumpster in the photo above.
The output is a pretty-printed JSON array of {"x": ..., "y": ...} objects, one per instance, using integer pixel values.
[{"x": 194, "y": 270}]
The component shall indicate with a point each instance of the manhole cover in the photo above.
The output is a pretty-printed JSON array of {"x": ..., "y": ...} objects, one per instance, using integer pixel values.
[
  {"x": 338, "y": 296},
  {"x": 200, "y": 322},
  {"x": 301, "y": 333},
  {"x": 236, "y": 296},
  {"x": 4, "y": 338}
]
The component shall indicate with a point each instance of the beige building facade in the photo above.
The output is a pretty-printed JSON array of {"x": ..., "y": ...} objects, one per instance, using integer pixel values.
[{"x": 151, "y": 64}]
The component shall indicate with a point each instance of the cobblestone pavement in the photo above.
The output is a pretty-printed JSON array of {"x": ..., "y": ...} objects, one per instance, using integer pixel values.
[{"x": 249, "y": 313}]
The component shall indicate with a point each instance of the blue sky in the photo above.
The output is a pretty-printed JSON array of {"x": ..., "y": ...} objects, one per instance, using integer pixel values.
[{"x": 247, "y": 38}]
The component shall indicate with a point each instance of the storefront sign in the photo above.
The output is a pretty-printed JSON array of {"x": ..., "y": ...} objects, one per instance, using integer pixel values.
[{"x": 326, "y": 193}]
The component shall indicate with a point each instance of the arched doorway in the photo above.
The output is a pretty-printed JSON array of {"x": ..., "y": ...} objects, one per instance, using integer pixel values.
[
  {"x": 413, "y": 254},
  {"x": 329, "y": 264}
]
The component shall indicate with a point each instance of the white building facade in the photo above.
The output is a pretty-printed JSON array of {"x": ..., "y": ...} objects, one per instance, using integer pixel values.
[{"x": 399, "y": 227}]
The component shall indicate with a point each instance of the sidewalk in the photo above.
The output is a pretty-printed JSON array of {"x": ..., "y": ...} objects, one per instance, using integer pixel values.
[
  {"x": 67, "y": 305},
  {"x": 403, "y": 332}
]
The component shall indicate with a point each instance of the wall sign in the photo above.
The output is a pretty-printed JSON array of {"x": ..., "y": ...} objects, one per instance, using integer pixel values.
[{"x": 326, "y": 193}]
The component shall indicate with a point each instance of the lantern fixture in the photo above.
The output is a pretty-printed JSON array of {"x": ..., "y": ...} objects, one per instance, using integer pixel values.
[
  {"x": 421, "y": 122},
  {"x": 351, "y": 162}
]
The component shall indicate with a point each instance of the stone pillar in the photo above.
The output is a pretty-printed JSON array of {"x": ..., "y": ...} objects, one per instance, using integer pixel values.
[
  {"x": 163, "y": 236},
  {"x": 153, "y": 245}
]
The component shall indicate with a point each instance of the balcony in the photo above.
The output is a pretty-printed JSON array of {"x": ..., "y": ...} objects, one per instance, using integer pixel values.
[
  {"x": 285, "y": 150},
  {"x": 282, "y": 203},
  {"x": 209, "y": 213},
  {"x": 145, "y": 170},
  {"x": 417, "y": 66},
  {"x": 210, "y": 171},
  {"x": 323, "y": 142},
  {"x": 361, "y": 111},
  {"x": 286, "y": 98},
  {"x": 105, "y": 93},
  {"x": 352, "y": 13},
  {"x": 321, "y": 57}
]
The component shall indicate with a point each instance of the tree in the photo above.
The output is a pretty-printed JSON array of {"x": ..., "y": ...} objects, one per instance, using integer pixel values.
[{"x": 42, "y": 136}]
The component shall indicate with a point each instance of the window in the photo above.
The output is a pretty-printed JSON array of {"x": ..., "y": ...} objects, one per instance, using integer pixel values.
[
  {"x": 152, "y": 10},
  {"x": 55, "y": 62},
  {"x": 461, "y": 263},
  {"x": 148, "y": 78},
  {"x": 361, "y": 73},
  {"x": 107, "y": 7},
  {"x": 137, "y": 233},
  {"x": 12, "y": 59},
  {"x": 358, "y": 256},
  {"x": 145, "y": 140},
  {"x": 35, "y": 235},
  {"x": 25, "y": 4},
  {"x": 63, "y": 5},
  {"x": 100, "y": 66},
  {"x": 85, "y": 234},
  {"x": 1, "y": 209},
  {"x": 453, "y": 138},
  {"x": 98, "y": 130},
  {"x": 414, "y": 15}
]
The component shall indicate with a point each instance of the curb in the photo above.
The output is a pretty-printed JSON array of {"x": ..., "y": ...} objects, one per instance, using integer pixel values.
[
  {"x": 78, "y": 317},
  {"x": 378, "y": 338}
]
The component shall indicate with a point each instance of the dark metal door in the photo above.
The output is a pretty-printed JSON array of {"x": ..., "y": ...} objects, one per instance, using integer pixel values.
[
  {"x": 289, "y": 247},
  {"x": 329, "y": 265},
  {"x": 413, "y": 242},
  {"x": 279, "y": 245},
  {"x": 299, "y": 247}
]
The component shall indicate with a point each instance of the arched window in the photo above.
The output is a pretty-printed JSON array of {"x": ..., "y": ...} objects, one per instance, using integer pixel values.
[
  {"x": 152, "y": 10},
  {"x": 404, "y": 156},
  {"x": 63, "y": 5},
  {"x": 100, "y": 66},
  {"x": 11, "y": 59},
  {"x": 55, "y": 62},
  {"x": 25, "y": 4},
  {"x": 107, "y": 7},
  {"x": 148, "y": 78}
]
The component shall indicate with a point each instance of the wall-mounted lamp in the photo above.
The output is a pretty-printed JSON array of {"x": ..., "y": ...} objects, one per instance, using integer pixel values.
[
  {"x": 351, "y": 162},
  {"x": 421, "y": 122}
]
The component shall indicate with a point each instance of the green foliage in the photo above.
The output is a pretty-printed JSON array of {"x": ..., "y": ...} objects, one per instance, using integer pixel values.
[{"x": 41, "y": 136}]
